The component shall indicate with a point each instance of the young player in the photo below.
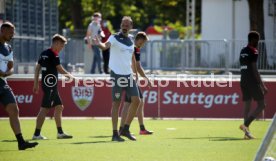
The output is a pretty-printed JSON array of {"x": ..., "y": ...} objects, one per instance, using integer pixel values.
[
  {"x": 49, "y": 64},
  {"x": 140, "y": 39},
  {"x": 251, "y": 83}
]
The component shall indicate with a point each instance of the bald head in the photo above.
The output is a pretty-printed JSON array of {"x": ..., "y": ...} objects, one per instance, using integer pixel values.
[{"x": 126, "y": 25}]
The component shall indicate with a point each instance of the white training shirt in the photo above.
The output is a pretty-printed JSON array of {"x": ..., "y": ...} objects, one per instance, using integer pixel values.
[
  {"x": 121, "y": 51},
  {"x": 6, "y": 55}
]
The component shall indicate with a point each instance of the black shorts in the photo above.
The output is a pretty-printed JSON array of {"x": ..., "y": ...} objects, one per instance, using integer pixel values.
[
  {"x": 6, "y": 94},
  {"x": 51, "y": 98},
  {"x": 128, "y": 98},
  {"x": 250, "y": 91}
]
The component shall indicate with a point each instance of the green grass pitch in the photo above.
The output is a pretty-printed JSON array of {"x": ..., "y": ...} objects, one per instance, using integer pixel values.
[{"x": 173, "y": 140}]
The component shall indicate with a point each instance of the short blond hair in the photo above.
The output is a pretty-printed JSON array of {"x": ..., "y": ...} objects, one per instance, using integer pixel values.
[
  {"x": 141, "y": 35},
  {"x": 58, "y": 37}
]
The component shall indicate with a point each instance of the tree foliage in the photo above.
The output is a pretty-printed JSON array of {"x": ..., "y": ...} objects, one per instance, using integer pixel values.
[
  {"x": 76, "y": 14},
  {"x": 256, "y": 19}
]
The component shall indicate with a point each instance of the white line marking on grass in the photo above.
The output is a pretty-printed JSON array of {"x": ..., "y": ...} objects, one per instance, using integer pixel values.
[{"x": 171, "y": 128}]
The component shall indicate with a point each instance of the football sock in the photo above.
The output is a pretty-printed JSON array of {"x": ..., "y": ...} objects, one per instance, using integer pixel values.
[
  {"x": 246, "y": 113},
  {"x": 19, "y": 138},
  {"x": 115, "y": 132},
  {"x": 126, "y": 127},
  {"x": 249, "y": 120},
  {"x": 142, "y": 127},
  {"x": 37, "y": 132},
  {"x": 59, "y": 129}
]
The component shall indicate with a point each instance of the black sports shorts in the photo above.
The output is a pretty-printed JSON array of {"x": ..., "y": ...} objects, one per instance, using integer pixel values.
[
  {"x": 6, "y": 94},
  {"x": 250, "y": 91},
  {"x": 50, "y": 98}
]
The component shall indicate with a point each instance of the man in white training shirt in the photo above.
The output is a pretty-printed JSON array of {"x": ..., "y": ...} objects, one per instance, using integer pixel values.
[{"x": 121, "y": 51}]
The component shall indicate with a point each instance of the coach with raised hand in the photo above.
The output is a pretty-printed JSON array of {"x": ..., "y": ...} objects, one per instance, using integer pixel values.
[{"x": 121, "y": 52}]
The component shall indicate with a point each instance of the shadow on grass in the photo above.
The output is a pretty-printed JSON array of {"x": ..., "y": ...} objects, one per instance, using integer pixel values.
[
  {"x": 95, "y": 142},
  {"x": 91, "y": 142},
  {"x": 9, "y": 141},
  {"x": 100, "y": 136},
  {"x": 214, "y": 138},
  {"x": 29, "y": 140},
  {"x": 3, "y": 151}
]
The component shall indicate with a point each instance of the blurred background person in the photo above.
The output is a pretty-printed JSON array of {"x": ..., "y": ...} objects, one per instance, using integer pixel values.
[
  {"x": 105, "y": 53},
  {"x": 94, "y": 29}
]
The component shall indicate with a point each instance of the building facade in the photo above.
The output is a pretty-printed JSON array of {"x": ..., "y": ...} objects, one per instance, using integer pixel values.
[
  {"x": 229, "y": 19},
  {"x": 35, "y": 21}
]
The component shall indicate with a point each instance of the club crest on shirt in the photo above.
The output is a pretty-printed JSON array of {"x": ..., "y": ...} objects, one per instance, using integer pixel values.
[
  {"x": 117, "y": 95},
  {"x": 82, "y": 96}
]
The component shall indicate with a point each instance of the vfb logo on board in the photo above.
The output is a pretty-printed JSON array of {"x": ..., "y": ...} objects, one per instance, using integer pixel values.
[{"x": 82, "y": 96}]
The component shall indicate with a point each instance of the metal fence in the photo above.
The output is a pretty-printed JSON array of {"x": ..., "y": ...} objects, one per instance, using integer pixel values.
[
  {"x": 185, "y": 55},
  {"x": 174, "y": 55},
  {"x": 204, "y": 55},
  {"x": 73, "y": 55}
]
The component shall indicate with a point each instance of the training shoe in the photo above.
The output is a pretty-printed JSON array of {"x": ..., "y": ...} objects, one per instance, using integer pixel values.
[
  {"x": 64, "y": 136},
  {"x": 39, "y": 137},
  {"x": 247, "y": 134},
  {"x": 128, "y": 135},
  {"x": 121, "y": 129},
  {"x": 27, "y": 145},
  {"x": 117, "y": 138},
  {"x": 145, "y": 132}
]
